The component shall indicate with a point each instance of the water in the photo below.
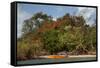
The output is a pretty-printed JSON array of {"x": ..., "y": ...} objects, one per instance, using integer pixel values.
[{"x": 42, "y": 61}]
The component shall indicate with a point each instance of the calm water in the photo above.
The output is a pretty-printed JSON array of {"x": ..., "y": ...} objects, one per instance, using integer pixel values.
[{"x": 39, "y": 61}]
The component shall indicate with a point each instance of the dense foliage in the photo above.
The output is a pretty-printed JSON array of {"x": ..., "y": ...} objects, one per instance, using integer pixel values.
[{"x": 43, "y": 36}]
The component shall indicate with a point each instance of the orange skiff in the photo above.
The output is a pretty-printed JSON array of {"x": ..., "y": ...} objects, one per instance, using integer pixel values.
[{"x": 56, "y": 56}]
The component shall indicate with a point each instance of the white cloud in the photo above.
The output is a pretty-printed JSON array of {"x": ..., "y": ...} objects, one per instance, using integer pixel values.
[
  {"x": 54, "y": 19},
  {"x": 21, "y": 16},
  {"x": 88, "y": 13}
]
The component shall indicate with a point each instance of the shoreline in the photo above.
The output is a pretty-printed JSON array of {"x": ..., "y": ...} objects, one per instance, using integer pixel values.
[
  {"x": 82, "y": 56},
  {"x": 69, "y": 56},
  {"x": 64, "y": 56},
  {"x": 66, "y": 59}
]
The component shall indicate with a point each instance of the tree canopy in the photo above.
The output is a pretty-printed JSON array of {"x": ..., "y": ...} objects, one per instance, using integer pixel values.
[{"x": 42, "y": 35}]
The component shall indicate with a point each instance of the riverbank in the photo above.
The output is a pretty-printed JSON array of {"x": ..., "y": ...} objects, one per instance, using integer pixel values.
[
  {"x": 64, "y": 56},
  {"x": 82, "y": 55},
  {"x": 71, "y": 58}
]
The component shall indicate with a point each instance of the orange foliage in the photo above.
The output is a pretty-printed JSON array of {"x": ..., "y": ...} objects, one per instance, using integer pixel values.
[{"x": 48, "y": 26}]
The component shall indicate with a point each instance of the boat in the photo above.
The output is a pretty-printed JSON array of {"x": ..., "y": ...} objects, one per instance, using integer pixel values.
[{"x": 56, "y": 56}]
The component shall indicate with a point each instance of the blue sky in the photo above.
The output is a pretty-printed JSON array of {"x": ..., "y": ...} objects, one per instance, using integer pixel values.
[{"x": 26, "y": 11}]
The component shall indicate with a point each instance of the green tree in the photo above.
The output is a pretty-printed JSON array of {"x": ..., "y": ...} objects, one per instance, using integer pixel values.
[
  {"x": 35, "y": 22},
  {"x": 51, "y": 43}
]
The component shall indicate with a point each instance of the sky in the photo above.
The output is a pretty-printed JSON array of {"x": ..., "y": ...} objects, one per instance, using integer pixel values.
[{"x": 26, "y": 11}]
